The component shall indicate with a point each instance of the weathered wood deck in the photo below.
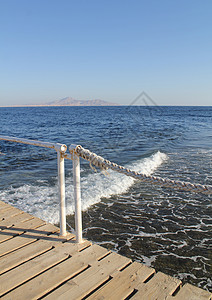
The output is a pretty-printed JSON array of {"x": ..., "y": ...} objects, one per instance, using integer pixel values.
[{"x": 35, "y": 263}]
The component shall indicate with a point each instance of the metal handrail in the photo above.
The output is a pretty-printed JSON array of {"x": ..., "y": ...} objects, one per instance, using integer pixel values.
[
  {"x": 97, "y": 161},
  {"x": 60, "y": 149},
  {"x": 56, "y": 146}
]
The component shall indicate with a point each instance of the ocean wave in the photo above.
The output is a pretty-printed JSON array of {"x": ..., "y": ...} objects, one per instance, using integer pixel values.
[{"x": 42, "y": 201}]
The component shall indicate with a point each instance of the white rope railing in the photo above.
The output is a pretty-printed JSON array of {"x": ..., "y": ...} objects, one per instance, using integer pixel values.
[
  {"x": 104, "y": 164},
  {"x": 77, "y": 151}
]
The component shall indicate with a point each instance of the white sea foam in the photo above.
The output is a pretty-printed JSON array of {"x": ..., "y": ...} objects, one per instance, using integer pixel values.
[{"x": 43, "y": 201}]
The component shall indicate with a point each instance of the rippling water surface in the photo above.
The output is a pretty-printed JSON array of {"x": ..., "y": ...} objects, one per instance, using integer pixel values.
[{"x": 169, "y": 230}]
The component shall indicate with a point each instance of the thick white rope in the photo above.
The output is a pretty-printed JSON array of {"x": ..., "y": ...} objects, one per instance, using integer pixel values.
[{"x": 104, "y": 164}]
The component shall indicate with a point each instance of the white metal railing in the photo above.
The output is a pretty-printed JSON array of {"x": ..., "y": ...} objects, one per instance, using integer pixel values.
[
  {"x": 75, "y": 152},
  {"x": 77, "y": 194},
  {"x": 61, "y": 149}
]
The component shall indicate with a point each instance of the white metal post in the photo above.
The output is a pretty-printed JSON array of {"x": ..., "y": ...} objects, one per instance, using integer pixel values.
[
  {"x": 77, "y": 198},
  {"x": 61, "y": 183}
]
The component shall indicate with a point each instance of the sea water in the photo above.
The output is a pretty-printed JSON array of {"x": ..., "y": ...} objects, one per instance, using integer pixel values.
[{"x": 167, "y": 229}]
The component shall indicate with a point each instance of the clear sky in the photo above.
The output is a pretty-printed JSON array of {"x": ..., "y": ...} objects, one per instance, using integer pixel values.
[{"x": 110, "y": 50}]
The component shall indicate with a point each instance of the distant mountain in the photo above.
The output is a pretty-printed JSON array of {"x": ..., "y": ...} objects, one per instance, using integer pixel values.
[{"x": 69, "y": 101}]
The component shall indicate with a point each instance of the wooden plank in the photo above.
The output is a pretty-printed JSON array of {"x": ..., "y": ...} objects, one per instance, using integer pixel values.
[
  {"x": 71, "y": 247},
  {"x": 9, "y": 233},
  {"x": 22, "y": 240},
  {"x": 35, "y": 228},
  {"x": 10, "y": 259},
  {"x": 4, "y": 204},
  {"x": 15, "y": 220},
  {"x": 159, "y": 287},
  {"x": 10, "y": 212},
  {"x": 190, "y": 292},
  {"x": 123, "y": 284},
  {"x": 29, "y": 225},
  {"x": 38, "y": 261},
  {"x": 90, "y": 279},
  {"x": 35, "y": 266},
  {"x": 53, "y": 277},
  {"x": 14, "y": 244},
  {"x": 24, "y": 272},
  {"x": 44, "y": 232},
  {"x": 5, "y": 208},
  {"x": 30, "y": 251},
  {"x": 22, "y": 255},
  {"x": 6, "y": 235},
  {"x": 19, "y": 256}
]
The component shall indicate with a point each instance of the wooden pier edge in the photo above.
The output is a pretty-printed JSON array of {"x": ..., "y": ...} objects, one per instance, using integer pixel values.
[{"x": 36, "y": 263}]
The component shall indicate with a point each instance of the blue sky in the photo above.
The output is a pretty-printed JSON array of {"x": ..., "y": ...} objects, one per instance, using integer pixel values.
[{"x": 110, "y": 50}]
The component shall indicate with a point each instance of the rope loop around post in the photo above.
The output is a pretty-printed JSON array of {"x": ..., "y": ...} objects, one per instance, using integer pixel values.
[{"x": 94, "y": 159}]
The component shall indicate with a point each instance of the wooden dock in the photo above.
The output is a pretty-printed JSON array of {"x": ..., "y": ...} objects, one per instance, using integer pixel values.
[{"x": 35, "y": 263}]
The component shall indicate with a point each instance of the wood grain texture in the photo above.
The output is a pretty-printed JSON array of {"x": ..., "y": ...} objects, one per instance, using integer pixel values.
[
  {"x": 94, "y": 276},
  {"x": 190, "y": 292},
  {"x": 36, "y": 262},
  {"x": 122, "y": 285},
  {"x": 53, "y": 277}
]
